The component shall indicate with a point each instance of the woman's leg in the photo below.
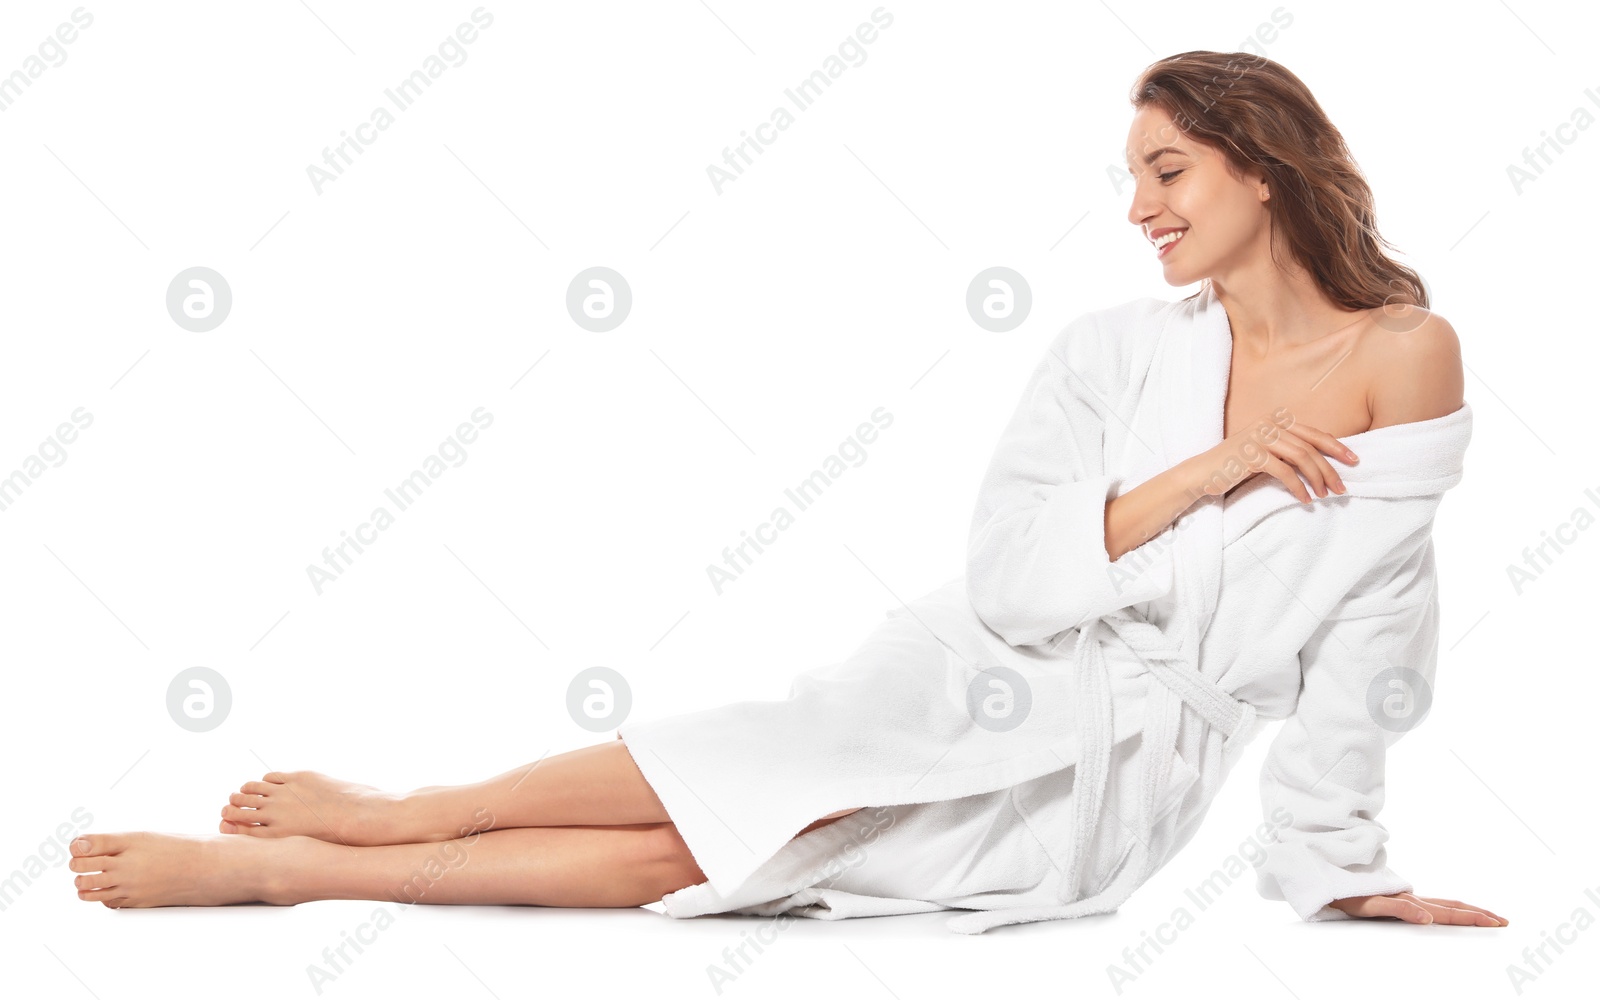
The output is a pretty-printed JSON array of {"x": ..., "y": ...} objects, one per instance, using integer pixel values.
[
  {"x": 598, "y": 785},
  {"x": 607, "y": 866}
]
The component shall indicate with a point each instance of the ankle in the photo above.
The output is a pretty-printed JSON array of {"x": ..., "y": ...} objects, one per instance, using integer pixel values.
[
  {"x": 290, "y": 869},
  {"x": 415, "y": 815},
  {"x": 369, "y": 818}
]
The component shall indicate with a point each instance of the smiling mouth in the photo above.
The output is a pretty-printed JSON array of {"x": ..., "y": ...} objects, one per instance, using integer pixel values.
[{"x": 1167, "y": 242}]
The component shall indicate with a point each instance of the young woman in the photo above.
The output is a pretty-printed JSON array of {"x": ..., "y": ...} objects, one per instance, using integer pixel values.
[{"x": 1149, "y": 582}]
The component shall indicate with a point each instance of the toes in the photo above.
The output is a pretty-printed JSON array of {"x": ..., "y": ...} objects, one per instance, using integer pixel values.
[
  {"x": 85, "y": 883},
  {"x": 100, "y": 895},
  {"x": 277, "y": 777},
  {"x": 95, "y": 845},
  {"x": 240, "y": 816},
  {"x": 251, "y": 801},
  {"x": 88, "y": 864},
  {"x": 259, "y": 788}
]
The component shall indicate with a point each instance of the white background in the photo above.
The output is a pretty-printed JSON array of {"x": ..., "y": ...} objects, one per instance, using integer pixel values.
[{"x": 768, "y": 322}]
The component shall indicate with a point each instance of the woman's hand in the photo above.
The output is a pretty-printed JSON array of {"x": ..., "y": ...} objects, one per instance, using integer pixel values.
[
  {"x": 1419, "y": 910},
  {"x": 1278, "y": 447}
]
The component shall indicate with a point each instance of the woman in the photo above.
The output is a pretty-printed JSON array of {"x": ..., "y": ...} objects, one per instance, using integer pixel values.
[{"x": 1149, "y": 582}]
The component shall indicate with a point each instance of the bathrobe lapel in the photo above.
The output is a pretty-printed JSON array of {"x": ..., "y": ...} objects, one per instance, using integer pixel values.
[
  {"x": 1193, "y": 396},
  {"x": 1190, "y": 375}
]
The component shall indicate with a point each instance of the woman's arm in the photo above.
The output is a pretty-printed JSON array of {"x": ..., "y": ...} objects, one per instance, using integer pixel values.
[
  {"x": 1050, "y": 545},
  {"x": 1148, "y": 509},
  {"x": 1366, "y": 681},
  {"x": 1036, "y": 556},
  {"x": 1274, "y": 445}
]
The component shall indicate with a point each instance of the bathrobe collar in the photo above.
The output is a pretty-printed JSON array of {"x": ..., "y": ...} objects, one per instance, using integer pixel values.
[{"x": 1420, "y": 458}]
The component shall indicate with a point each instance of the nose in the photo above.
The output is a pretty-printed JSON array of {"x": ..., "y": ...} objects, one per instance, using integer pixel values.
[{"x": 1144, "y": 206}]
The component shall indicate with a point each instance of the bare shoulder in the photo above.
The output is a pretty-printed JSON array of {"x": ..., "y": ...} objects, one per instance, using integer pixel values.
[{"x": 1418, "y": 373}]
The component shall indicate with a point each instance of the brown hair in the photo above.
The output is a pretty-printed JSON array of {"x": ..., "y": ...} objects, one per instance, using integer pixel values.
[{"x": 1258, "y": 114}]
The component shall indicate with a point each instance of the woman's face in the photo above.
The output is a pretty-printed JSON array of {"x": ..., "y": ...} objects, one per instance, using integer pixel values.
[{"x": 1182, "y": 184}]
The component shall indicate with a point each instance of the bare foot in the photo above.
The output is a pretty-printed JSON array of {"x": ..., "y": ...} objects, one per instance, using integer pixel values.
[
  {"x": 308, "y": 804},
  {"x": 160, "y": 869}
]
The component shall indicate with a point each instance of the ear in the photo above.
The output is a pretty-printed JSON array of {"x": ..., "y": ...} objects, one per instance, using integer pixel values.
[{"x": 1258, "y": 177}]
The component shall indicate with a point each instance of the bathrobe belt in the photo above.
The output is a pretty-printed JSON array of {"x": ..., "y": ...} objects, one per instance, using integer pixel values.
[{"x": 1181, "y": 683}]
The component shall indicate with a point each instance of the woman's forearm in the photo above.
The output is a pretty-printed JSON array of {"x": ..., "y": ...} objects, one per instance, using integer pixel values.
[{"x": 1146, "y": 510}]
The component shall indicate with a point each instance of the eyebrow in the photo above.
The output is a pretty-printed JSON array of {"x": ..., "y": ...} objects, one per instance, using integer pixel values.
[{"x": 1150, "y": 158}]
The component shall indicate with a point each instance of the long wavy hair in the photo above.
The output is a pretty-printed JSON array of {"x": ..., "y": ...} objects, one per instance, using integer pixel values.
[{"x": 1258, "y": 114}]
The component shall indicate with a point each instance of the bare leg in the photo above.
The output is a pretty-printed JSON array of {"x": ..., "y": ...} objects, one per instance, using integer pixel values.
[
  {"x": 593, "y": 786},
  {"x": 614, "y": 866}
]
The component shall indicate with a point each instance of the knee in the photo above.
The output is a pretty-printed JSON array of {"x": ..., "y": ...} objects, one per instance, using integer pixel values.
[{"x": 668, "y": 860}]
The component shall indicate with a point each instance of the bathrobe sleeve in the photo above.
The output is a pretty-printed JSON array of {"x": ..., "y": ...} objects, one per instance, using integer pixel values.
[
  {"x": 1036, "y": 556},
  {"x": 1366, "y": 679}
]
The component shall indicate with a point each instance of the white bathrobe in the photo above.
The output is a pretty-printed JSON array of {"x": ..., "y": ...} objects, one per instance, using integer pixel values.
[{"x": 1035, "y": 738}]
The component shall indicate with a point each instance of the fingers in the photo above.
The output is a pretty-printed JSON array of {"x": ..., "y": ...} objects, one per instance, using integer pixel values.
[
  {"x": 1421, "y": 910},
  {"x": 1318, "y": 442},
  {"x": 1458, "y": 905},
  {"x": 1471, "y": 918},
  {"x": 1455, "y": 915},
  {"x": 1285, "y": 474},
  {"x": 1299, "y": 452},
  {"x": 1325, "y": 442},
  {"x": 1303, "y": 456},
  {"x": 1401, "y": 906},
  {"x": 1410, "y": 910}
]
